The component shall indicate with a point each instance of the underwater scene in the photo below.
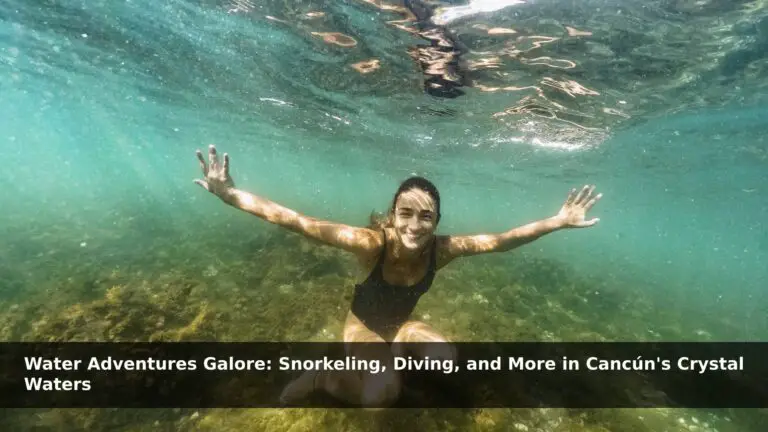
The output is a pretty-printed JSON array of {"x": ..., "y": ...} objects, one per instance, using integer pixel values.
[{"x": 325, "y": 107}]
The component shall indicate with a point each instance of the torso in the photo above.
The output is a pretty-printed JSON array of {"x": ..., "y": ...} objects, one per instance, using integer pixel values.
[
  {"x": 384, "y": 308},
  {"x": 402, "y": 273}
]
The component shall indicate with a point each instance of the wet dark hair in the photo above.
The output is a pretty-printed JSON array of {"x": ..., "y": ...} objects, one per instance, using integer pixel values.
[{"x": 381, "y": 221}]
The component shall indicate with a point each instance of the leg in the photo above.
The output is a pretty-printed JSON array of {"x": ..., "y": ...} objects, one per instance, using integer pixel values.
[
  {"x": 421, "y": 341},
  {"x": 427, "y": 342},
  {"x": 369, "y": 390},
  {"x": 355, "y": 387}
]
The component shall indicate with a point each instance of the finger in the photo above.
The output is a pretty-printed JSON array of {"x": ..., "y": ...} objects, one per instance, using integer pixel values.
[
  {"x": 582, "y": 194},
  {"x": 589, "y": 223},
  {"x": 591, "y": 191},
  {"x": 593, "y": 201},
  {"x": 588, "y": 195},
  {"x": 226, "y": 165},
  {"x": 203, "y": 184},
  {"x": 203, "y": 166},
  {"x": 571, "y": 196},
  {"x": 212, "y": 158}
]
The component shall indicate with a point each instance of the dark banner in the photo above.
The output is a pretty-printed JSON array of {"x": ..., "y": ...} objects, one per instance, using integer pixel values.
[{"x": 461, "y": 375}]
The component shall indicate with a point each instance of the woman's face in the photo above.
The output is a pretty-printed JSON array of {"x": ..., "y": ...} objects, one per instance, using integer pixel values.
[{"x": 415, "y": 218}]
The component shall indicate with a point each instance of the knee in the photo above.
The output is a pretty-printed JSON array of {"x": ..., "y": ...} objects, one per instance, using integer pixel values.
[
  {"x": 381, "y": 392},
  {"x": 441, "y": 351}
]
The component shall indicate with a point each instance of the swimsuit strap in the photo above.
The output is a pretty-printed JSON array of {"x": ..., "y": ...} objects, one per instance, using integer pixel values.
[
  {"x": 382, "y": 257},
  {"x": 377, "y": 272},
  {"x": 433, "y": 258}
]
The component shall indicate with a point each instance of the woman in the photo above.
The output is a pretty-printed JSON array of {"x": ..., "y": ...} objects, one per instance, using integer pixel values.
[{"x": 402, "y": 256}]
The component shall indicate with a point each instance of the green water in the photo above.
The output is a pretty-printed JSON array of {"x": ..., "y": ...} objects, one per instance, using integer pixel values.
[{"x": 105, "y": 237}]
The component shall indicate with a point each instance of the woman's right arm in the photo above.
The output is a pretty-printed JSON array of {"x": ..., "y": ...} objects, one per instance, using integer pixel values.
[{"x": 363, "y": 242}]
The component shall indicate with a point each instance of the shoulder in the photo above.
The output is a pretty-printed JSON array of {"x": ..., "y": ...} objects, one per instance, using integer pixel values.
[
  {"x": 376, "y": 240},
  {"x": 371, "y": 240}
]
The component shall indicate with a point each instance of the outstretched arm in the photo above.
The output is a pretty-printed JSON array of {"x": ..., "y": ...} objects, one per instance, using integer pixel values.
[
  {"x": 361, "y": 241},
  {"x": 571, "y": 215}
]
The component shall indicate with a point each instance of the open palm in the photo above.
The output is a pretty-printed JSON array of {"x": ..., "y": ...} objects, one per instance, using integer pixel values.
[
  {"x": 217, "y": 179},
  {"x": 574, "y": 212}
]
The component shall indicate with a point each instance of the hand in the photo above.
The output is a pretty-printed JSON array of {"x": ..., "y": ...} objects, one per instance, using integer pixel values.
[
  {"x": 217, "y": 179},
  {"x": 573, "y": 213}
]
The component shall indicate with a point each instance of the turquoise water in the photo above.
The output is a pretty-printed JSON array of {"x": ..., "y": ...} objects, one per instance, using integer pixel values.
[
  {"x": 661, "y": 104},
  {"x": 104, "y": 105}
]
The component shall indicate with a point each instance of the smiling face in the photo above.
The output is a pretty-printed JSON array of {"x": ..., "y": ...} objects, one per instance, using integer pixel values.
[{"x": 415, "y": 218}]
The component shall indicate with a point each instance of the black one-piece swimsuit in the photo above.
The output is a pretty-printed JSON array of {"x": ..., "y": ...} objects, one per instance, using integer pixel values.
[{"x": 384, "y": 307}]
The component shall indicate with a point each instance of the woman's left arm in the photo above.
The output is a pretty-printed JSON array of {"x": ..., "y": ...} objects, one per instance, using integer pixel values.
[{"x": 571, "y": 215}]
